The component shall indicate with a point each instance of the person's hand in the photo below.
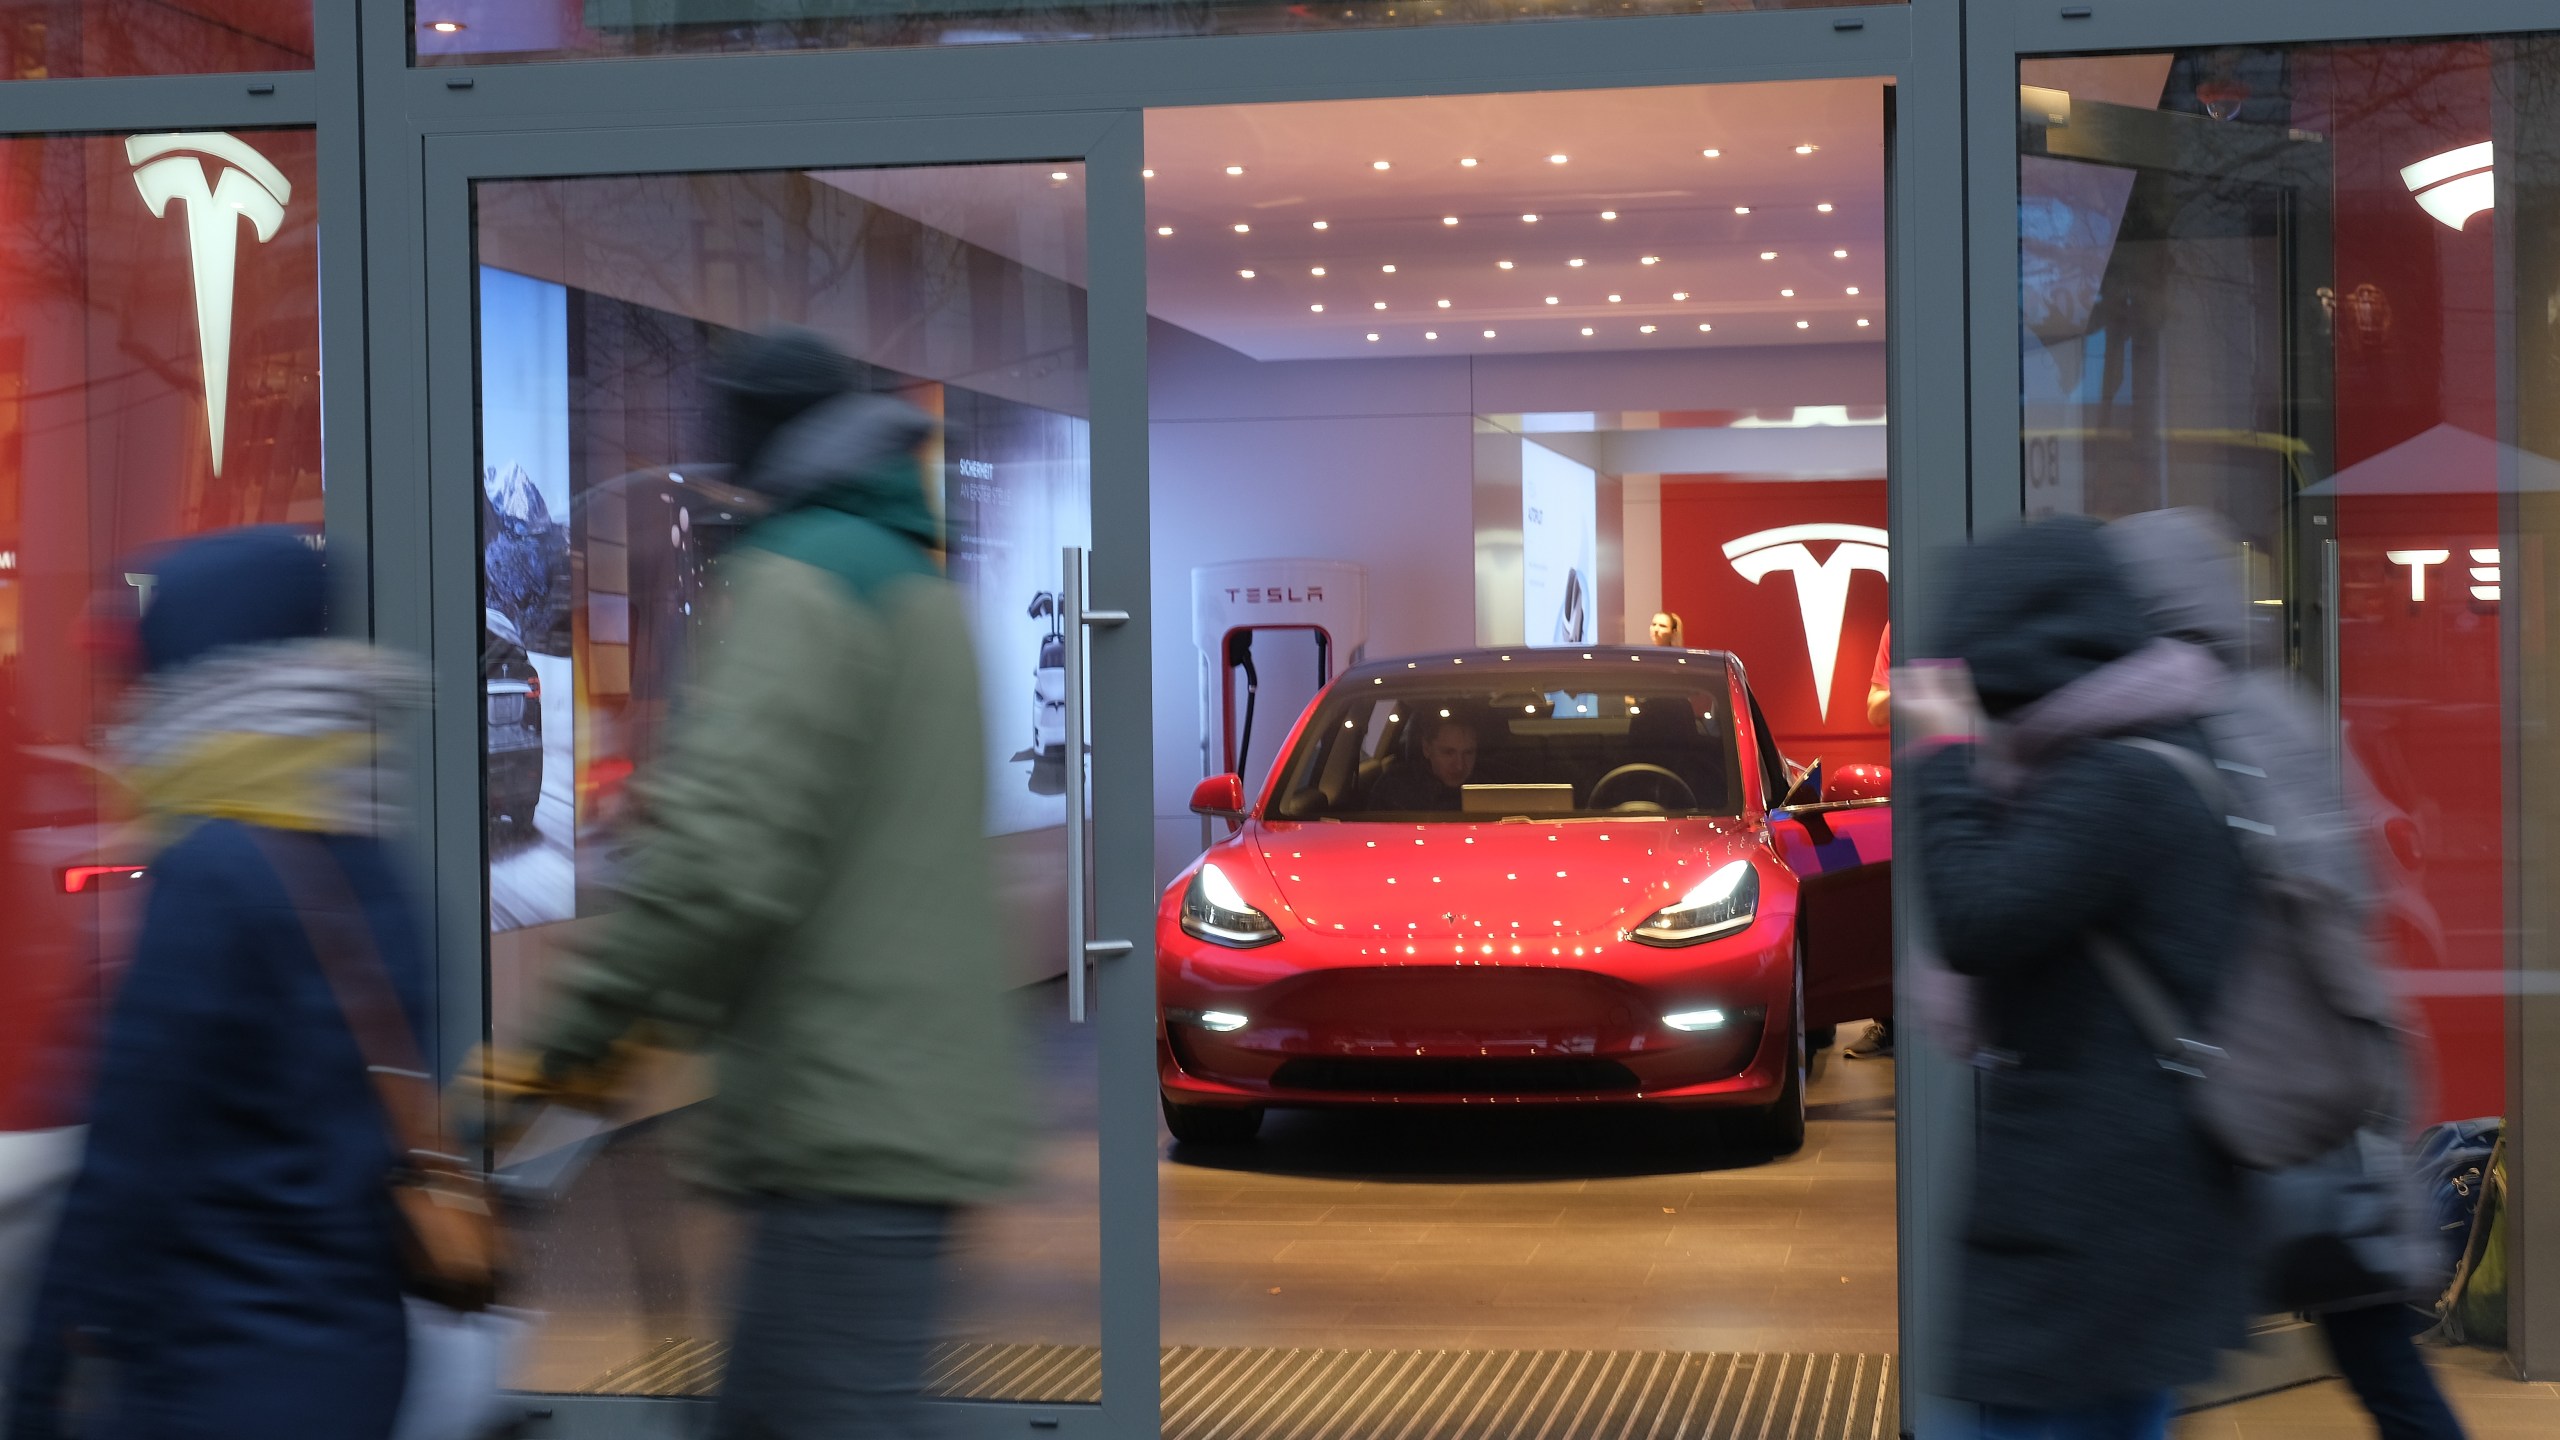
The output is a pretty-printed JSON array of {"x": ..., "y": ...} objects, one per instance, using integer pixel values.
[
  {"x": 499, "y": 1091},
  {"x": 1934, "y": 702}
]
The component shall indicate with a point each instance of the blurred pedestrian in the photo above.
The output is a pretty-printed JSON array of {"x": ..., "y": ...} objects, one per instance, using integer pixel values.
[
  {"x": 809, "y": 893},
  {"x": 2353, "y": 1243},
  {"x": 228, "y": 1262},
  {"x": 2105, "y": 1253}
]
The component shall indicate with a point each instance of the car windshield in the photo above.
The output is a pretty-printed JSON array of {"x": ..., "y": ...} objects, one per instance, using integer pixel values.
[{"x": 1610, "y": 737}]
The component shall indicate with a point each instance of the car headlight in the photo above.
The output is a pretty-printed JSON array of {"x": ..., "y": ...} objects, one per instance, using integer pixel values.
[
  {"x": 1721, "y": 904},
  {"x": 1213, "y": 910}
]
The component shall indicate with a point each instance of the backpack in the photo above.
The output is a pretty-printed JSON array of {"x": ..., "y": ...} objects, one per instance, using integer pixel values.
[
  {"x": 2452, "y": 1167},
  {"x": 2304, "y": 1049}
]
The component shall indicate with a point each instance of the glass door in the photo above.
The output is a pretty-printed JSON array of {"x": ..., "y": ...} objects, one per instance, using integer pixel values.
[{"x": 585, "y": 312}]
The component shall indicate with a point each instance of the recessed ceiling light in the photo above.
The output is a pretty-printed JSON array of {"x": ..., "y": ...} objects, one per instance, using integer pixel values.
[
  {"x": 1644, "y": 329},
  {"x": 1430, "y": 334},
  {"x": 1768, "y": 254},
  {"x": 1853, "y": 289},
  {"x": 1146, "y": 174},
  {"x": 1502, "y": 264},
  {"x": 1804, "y": 324},
  {"x": 1741, "y": 209},
  {"x": 1242, "y": 229},
  {"x": 1786, "y": 294},
  {"x": 1608, "y": 214},
  {"x": 1247, "y": 274},
  {"x": 1324, "y": 224},
  {"x": 1380, "y": 165},
  {"x": 1448, "y": 219},
  {"x": 1614, "y": 299},
  {"x": 1824, "y": 207},
  {"x": 1316, "y": 270},
  {"x": 1839, "y": 254},
  {"x": 1377, "y": 304},
  {"x": 1805, "y": 149},
  {"x": 1528, "y": 219},
  {"x": 1164, "y": 229},
  {"x": 1057, "y": 174},
  {"x": 1586, "y": 329},
  {"x": 446, "y": 27},
  {"x": 1386, "y": 269},
  {"x": 1444, "y": 304},
  {"x": 1575, "y": 262},
  {"x": 1235, "y": 169},
  {"x": 1711, "y": 154},
  {"x": 1373, "y": 337},
  {"x": 1555, "y": 159},
  {"x": 1703, "y": 327},
  {"x": 1469, "y": 162},
  {"x": 1650, "y": 260},
  {"x": 1317, "y": 309},
  {"x": 1552, "y": 300},
  {"x": 1679, "y": 294},
  {"x": 1862, "y": 324},
  {"x": 1488, "y": 334}
]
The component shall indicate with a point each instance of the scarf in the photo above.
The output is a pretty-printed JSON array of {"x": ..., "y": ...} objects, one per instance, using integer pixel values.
[
  {"x": 2164, "y": 682},
  {"x": 288, "y": 735}
]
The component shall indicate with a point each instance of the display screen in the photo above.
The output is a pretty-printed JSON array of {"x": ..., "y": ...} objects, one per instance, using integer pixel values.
[{"x": 1428, "y": 747}]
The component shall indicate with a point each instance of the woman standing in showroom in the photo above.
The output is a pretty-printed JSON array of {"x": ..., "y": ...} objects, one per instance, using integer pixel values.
[{"x": 2105, "y": 1255}]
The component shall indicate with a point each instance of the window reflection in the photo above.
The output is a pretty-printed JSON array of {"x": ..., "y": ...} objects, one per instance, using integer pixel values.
[{"x": 60, "y": 39}]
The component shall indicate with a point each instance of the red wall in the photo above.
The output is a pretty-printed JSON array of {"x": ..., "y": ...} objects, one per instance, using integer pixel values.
[
  {"x": 1760, "y": 623},
  {"x": 2415, "y": 345}
]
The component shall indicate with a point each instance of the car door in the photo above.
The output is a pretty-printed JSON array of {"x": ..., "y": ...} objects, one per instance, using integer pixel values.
[{"x": 1841, "y": 850}]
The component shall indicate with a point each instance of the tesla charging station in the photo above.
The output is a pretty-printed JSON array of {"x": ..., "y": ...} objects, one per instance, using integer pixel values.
[{"x": 1270, "y": 634}]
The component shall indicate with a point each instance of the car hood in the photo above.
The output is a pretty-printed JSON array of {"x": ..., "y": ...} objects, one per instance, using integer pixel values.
[{"x": 1574, "y": 877}]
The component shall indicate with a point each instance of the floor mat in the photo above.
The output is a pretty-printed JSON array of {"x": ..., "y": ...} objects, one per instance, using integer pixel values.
[{"x": 1271, "y": 1394}]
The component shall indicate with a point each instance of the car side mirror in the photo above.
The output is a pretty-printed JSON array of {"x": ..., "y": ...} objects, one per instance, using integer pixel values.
[
  {"x": 1221, "y": 796},
  {"x": 1858, "y": 782}
]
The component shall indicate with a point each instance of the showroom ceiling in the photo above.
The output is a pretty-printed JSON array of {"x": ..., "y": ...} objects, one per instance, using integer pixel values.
[{"x": 1673, "y": 217}]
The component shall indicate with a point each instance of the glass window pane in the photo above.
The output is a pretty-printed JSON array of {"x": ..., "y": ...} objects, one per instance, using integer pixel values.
[
  {"x": 603, "y": 304},
  {"x": 61, "y": 39},
  {"x": 462, "y": 32},
  {"x": 2311, "y": 289},
  {"x": 112, "y": 318}
]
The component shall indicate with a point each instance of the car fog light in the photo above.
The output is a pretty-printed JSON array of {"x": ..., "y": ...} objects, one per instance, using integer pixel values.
[
  {"x": 1692, "y": 1020},
  {"x": 1221, "y": 1020}
]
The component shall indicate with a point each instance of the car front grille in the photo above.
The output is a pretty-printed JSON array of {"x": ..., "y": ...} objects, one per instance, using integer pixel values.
[
  {"x": 506, "y": 709},
  {"x": 1563, "y": 1075}
]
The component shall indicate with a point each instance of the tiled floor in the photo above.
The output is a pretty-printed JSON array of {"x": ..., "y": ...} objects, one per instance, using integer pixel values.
[
  {"x": 1526, "y": 1229},
  {"x": 2493, "y": 1406}
]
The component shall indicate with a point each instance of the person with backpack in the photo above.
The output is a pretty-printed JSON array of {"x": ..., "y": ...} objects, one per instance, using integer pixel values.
[
  {"x": 2350, "y": 1243},
  {"x": 2105, "y": 1252},
  {"x": 230, "y": 1258}
]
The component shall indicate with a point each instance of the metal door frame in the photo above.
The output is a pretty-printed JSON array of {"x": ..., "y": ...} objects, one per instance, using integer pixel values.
[
  {"x": 1999, "y": 33},
  {"x": 428, "y": 132}
]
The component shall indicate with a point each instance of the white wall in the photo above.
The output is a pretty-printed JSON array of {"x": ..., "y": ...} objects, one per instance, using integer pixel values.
[{"x": 1372, "y": 461}]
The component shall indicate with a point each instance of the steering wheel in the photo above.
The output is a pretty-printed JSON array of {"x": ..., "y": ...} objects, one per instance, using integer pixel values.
[{"x": 1664, "y": 784}]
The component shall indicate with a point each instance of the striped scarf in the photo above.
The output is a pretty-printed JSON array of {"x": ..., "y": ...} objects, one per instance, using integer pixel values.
[{"x": 289, "y": 735}]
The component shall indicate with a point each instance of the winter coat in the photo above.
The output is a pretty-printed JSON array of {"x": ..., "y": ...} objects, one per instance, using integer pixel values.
[
  {"x": 229, "y": 1250},
  {"x": 810, "y": 892},
  {"x": 2105, "y": 1249}
]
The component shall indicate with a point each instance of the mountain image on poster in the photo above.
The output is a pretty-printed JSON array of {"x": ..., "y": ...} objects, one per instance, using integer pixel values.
[{"x": 526, "y": 560}]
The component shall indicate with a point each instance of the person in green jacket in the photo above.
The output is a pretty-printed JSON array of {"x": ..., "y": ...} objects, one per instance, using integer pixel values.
[{"x": 809, "y": 895}]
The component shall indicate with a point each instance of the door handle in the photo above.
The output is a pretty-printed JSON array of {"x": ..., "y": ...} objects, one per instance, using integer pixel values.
[{"x": 1082, "y": 947}]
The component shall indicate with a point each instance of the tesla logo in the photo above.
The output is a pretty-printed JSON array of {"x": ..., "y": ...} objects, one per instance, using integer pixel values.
[
  {"x": 170, "y": 168},
  {"x": 1822, "y": 586},
  {"x": 2485, "y": 570},
  {"x": 2455, "y": 185}
]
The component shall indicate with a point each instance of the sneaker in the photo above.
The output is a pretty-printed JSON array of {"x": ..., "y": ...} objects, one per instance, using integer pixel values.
[{"x": 1876, "y": 1045}]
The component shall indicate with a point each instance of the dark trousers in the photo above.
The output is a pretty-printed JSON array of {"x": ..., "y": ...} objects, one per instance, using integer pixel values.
[
  {"x": 2377, "y": 1350},
  {"x": 837, "y": 1300},
  {"x": 2133, "y": 1417}
]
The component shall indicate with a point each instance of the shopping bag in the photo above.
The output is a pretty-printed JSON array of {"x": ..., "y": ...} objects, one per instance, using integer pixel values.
[{"x": 459, "y": 1364}]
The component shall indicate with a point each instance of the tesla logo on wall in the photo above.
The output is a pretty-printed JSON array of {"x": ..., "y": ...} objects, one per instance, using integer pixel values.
[
  {"x": 2455, "y": 185},
  {"x": 249, "y": 187},
  {"x": 1822, "y": 586}
]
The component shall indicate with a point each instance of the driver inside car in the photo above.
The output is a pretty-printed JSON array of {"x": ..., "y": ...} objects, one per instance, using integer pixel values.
[{"x": 1448, "y": 758}]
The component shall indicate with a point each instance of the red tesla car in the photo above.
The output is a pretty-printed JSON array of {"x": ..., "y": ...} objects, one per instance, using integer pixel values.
[{"x": 1531, "y": 876}]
